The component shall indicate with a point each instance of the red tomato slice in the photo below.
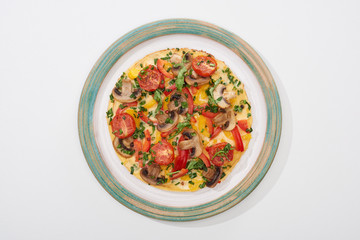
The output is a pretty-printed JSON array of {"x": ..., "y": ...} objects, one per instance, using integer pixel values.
[
  {"x": 219, "y": 159},
  {"x": 160, "y": 65},
  {"x": 163, "y": 152},
  {"x": 149, "y": 78},
  {"x": 204, "y": 66},
  {"x": 123, "y": 125},
  {"x": 243, "y": 124}
]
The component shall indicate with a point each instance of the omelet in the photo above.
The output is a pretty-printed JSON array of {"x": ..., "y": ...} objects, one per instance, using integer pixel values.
[{"x": 179, "y": 120}]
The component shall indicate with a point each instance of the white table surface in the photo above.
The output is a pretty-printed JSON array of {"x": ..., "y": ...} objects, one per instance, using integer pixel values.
[{"x": 47, "y": 190}]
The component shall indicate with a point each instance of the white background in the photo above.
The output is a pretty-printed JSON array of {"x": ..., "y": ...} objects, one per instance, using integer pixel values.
[{"x": 47, "y": 49}]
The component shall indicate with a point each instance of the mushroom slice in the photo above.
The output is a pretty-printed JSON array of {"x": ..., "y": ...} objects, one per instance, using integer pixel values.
[
  {"x": 226, "y": 120},
  {"x": 176, "y": 99},
  {"x": 150, "y": 173},
  {"x": 221, "y": 92},
  {"x": 188, "y": 60},
  {"x": 192, "y": 141},
  {"x": 126, "y": 93},
  {"x": 125, "y": 147},
  {"x": 194, "y": 78},
  {"x": 177, "y": 59},
  {"x": 167, "y": 121},
  {"x": 212, "y": 175}
]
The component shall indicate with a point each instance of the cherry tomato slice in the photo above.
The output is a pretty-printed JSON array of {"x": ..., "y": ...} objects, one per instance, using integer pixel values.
[
  {"x": 204, "y": 66},
  {"x": 163, "y": 152},
  {"x": 219, "y": 159},
  {"x": 160, "y": 65},
  {"x": 123, "y": 125},
  {"x": 149, "y": 78}
]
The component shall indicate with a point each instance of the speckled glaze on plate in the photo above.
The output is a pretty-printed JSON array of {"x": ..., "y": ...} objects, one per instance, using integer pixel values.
[{"x": 223, "y": 200}]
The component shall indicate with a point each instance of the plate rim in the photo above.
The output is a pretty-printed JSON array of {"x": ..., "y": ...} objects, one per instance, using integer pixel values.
[{"x": 157, "y": 29}]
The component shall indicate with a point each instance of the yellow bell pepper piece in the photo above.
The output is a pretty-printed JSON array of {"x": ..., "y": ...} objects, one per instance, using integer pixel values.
[
  {"x": 150, "y": 102},
  {"x": 133, "y": 73},
  {"x": 201, "y": 96},
  {"x": 202, "y": 126}
]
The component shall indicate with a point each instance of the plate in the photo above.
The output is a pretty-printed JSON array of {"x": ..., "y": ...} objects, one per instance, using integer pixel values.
[{"x": 245, "y": 63}]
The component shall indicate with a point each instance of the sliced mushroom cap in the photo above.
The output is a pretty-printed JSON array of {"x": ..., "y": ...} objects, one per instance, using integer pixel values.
[
  {"x": 126, "y": 93},
  {"x": 192, "y": 141},
  {"x": 212, "y": 175},
  {"x": 125, "y": 147},
  {"x": 176, "y": 99},
  {"x": 225, "y": 95},
  {"x": 150, "y": 173},
  {"x": 188, "y": 60},
  {"x": 177, "y": 59},
  {"x": 226, "y": 120},
  {"x": 194, "y": 78},
  {"x": 167, "y": 121}
]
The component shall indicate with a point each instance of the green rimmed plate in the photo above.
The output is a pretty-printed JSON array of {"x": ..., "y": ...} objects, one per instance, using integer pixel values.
[{"x": 246, "y": 65}]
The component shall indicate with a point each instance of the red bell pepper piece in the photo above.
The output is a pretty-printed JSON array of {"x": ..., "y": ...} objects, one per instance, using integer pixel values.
[
  {"x": 192, "y": 119},
  {"x": 189, "y": 100},
  {"x": 205, "y": 159},
  {"x": 172, "y": 88},
  {"x": 193, "y": 90},
  {"x": 146, "y": 119},
  {"x": 239, "y": 146},
  {"x": 160, "y": 65},
  {"x": 147, "y": 143},
  {"x": 182, "y": 172},
  {"x": 207, "y": 113},
  {"x": 162, "y": 83},
  {"x": 243, "y": 124},
  {"x": 138, "y": 148},
  {"x": 217, "y": 131},
  {"x": 126, "y": 106},
  {"x": 209, "y": 124},
  {"x": 181, "y": 160},
  {"x": 165, "y": 134}
]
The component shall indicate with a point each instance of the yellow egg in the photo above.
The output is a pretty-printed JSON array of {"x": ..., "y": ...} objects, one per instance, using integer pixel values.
[
  {"x": 134, "y": 115},
  {"x": 133, "y": 73}
]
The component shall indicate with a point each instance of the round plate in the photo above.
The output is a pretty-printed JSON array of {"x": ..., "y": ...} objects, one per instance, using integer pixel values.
[{"x": 245, "y": 64}]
